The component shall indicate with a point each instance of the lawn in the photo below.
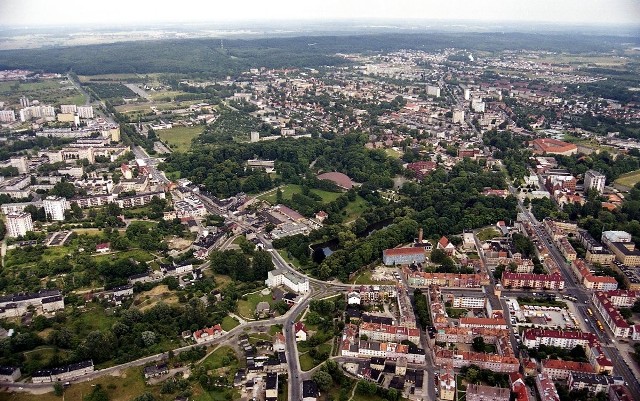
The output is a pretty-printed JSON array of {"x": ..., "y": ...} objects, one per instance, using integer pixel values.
[
  {"x": 274, "y": 329},
  {"x": 365, "y": 278},
  {"x": 393, "y": 153},
  {"x": 629, "y": 179},
  {"x": 44, "y": 354},
  {"x": 124, "y": 387},
  {"x": 487, "y": 234},
  {"x": 148, "y": 299},
  {"x": 229, "y": 323},
  {"x": 290, "y": 189},
  {"x": 307, "y": 362},
  {"x": 247, "y": 308},
  {"x": 456, "y": 313},
  {"x": 222, "y": 357},
  {"x": 291, "y": 260},
  {"x": 354, "y": 209},
  {"x": 94, "y": 317},
  {"x": 179, "y": 138}
]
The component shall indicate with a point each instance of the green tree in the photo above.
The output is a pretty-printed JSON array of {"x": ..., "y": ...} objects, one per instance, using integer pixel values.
[{"x": 323, "y": 380}]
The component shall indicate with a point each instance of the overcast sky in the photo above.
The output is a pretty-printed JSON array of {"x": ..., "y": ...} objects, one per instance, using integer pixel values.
[{"x": 106, "y": 12}]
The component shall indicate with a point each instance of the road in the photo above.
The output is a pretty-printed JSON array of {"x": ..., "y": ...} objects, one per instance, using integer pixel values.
[{"x": 583, "y": 297}]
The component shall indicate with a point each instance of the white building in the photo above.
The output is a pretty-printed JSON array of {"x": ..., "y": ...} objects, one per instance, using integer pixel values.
[
  {"x": 68, "y": 108},
  {"x": 85, "y": 111},
  {"x": 594, "y": 180},
  {"x": 468, "y": 302},
  {"x": 55, "y": 207},
  {"x": 18, "y": 224},
  {"x": 458, "y": 116},
  {"x": 21, "y": 163},
  {"x": 433, "y": 91},
  {"x": 276, "y": 278},
  {"x": 7, "y": 116},
  {"x": 477, "y": 105}
]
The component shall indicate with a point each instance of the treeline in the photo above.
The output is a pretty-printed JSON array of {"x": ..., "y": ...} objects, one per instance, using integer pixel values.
[
  {"x": 205, "y": 56},
  {"x": 244, "y": 266},
  {"x": 613, "y": 166}
]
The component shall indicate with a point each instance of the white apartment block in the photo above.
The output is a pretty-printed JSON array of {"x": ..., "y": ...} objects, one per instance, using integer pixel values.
[
  {"x": 276, "y": 278},
  {"x": 68, "y": 108},
  {"x": 55, "y": 207},
  {"x": 468, "y": 302},
  {"x": 594, "y": 180},
  {"x": 85, "y": 111},
  {"x": 7, "y": 116},
  {"x": 19, "y": 224},
  {"x": 433, "y": 91}
]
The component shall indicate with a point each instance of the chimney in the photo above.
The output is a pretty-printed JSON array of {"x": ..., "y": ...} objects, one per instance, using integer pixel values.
[{"x": 420, "y": 235}]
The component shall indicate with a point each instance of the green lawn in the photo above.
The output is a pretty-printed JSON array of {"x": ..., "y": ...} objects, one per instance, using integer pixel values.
[
  {"x": 223, "y": 356},
  {"x": 274, "y": 329},
  {"x": 365, "y": 278},
  {"x": 229, "y": 323},
  {"x": 179, "y": 138},
  {"x": 393, "y": 153},
  {"x": 48, "y": 91},
  {"x": 306, "y": 362},
  {"x": 629, "y": 179},
  {"x": 354, "y": 209},
  {"x": 290, "y": 189},
  {"x": 487, "y": 234},
  {"x": 247, "y": 308},
  {"x": 456, "y": 313},
  {"x": 135, "y": 254},
  {"x": 94, "y": 317},
  {"x": 44, "y": 354},
  {"x": 288, "y": 259}
]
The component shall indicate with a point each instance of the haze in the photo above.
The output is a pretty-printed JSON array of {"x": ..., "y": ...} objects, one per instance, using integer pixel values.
[{"x": 33, "y": 13}]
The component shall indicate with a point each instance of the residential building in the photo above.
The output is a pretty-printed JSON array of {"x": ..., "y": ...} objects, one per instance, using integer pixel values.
[
  {"x": 18, "y": 224},
  {"x": 85, "y": 111},
  {"x": 309, "y": 391},
  {"x": 595, "y": 383},
  {"x": 68, "y": 108},
  {"x": 277, "y": 277},
  {"x": 300, "y": 331},
  {"x": 625, "y": 253},
  {"x": 494, "y": 362},
  {"x": 622, "y": 298},
  {"x": 9, "y": 373},
  {"x": 476, "y": 392},
  {"x": 536, "y": 281},
  {"x": 208, "y": 334},
  {"x": 604, "y": 257},
  {"x": 155, "y": 370},
  {"x": 62, "y": 373},
  {"x": 619, "y": 393},
  {"x": 615, "y": 236},
  {"x": 54, "y": 207},
  {"x": 557, "y": 369},
  {"x": 448, "y": 385},
  {"x": 7, "y": 116},
  {"x": 271, "y": 387},
  {"x": 533, "y": 338},
  {"x": 454, "y": 280},
  {"x": 485, "y": 322},
  {"x": 594, "y": 180},
  {"x": 468, "y": 302},
  {"x": 612, "y": 317},
  {"x": 403, "y": 256},
  {"x": 546, "y": 388},
  {"x": 383, "y": 332}
]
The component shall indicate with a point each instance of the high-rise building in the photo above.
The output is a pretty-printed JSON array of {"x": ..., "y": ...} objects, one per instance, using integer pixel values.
[
  {"x": 594, "y": 180},
  {"x": 54, "y": 207},
  {"x": 18, "y": 224},
  {"x": 7, "y": 116},
  {"x": 21, "y": 163},
  {"x": 458, "y": 116},
  {"x": 85, "y": 111},
  {"x": 68, "y": 108},
  {"x": 24, "y": 102},
  {"x": 433, "y": 91}
]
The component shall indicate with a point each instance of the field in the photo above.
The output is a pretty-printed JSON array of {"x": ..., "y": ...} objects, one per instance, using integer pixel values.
[
  {"x": 229, "y": 323},
  {"x": 487, "y": 234},
  {"x": 629, "y": 179},
  {"x": 179, "y": 138},
  {"x": 51, "y": 91},
  {"x": 290, "y": 189},
  {"x": 111, "y": 90},
  {"x": 146, "y": 300},
  {"x": 247, "y": 308}
]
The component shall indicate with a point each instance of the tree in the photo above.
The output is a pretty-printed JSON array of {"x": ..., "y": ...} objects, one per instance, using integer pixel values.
[
  {"x": 98, "y": 394},
  {"x": 323, "y": 380},
  {"x": 58, "y": 389},
  {"x": 478, "y": 344},
  {"x": 145, "y": 397},
  {"x": 64, "y": 189}
]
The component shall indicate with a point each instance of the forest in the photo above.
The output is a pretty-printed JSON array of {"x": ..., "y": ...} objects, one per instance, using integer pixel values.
[{"x": 205, "y": 57}]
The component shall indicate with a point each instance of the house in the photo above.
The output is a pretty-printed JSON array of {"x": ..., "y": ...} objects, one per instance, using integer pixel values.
[
  {"x": 309, "y": 391},
  {"x": 271, "y": 387},
  {"x": 321, "y": 216},
  {"x": 353, "y": 298},
  {"x": 9, "y": 373},
  {"x": 445, "y": 245},
  {"x": 104, "y": 247},
  {"x": 208, "y": 334},
  {"x": 300, "y": 331},
  {"x": 279, "y": 342},
  {"x": 155, "y": 370}
]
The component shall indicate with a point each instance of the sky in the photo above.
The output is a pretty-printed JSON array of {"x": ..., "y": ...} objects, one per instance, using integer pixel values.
[{"x": 31, "y": 13}]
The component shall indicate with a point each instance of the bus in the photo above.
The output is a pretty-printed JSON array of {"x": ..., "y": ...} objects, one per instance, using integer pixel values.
[{"x": 590, "y": 312}]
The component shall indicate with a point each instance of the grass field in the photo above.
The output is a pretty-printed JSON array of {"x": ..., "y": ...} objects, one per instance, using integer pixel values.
[
  {"x": 220, "y": 358},
  {"x": 135, "y": 254},
  {"x": 147, "y": 299},
  {"x": 393, "y": 153},
  {"x": 488, "y": 233},
  {"x": 179, "y": 138},
  {"x": 290, "y": 189},
  {"x": 247, "y": 308},
  {"x": 229, "y": 323},
  {"x": 629, "y": 179},
  {"x": 365, "y": 278},
  {"x": 354, "y": 209},
  {"x": 50, "y": 91}
]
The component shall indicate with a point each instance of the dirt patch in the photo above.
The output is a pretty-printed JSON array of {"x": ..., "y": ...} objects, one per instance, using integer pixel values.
[
  {"x": 179, "y": 243},
  {"x": 146, "y": 300}
]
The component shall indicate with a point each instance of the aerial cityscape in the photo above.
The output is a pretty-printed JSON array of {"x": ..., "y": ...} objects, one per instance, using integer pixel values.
[{"x": 320, "y": 202}]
